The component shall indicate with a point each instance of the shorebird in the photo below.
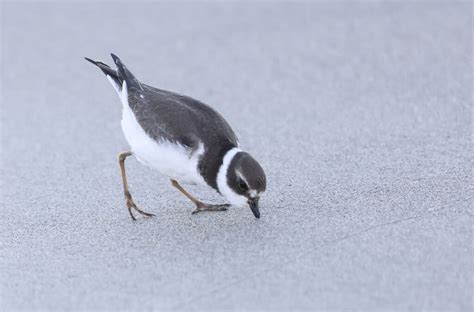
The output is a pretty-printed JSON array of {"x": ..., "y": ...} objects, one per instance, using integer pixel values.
[{"x": 185, "y": 140}]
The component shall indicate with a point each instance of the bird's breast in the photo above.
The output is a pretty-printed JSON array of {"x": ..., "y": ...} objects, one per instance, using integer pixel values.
[{"x": 169, "y": 158}]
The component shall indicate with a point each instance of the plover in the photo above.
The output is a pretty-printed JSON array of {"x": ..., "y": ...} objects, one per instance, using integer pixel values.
[{"x": 185, "y": 140}]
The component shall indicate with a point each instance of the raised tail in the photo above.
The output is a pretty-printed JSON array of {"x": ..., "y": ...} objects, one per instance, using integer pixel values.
[
  {"x": 125, "y": 74},
  {"x": 119, "y": 76},
  {"x": 109, "y": 72}
]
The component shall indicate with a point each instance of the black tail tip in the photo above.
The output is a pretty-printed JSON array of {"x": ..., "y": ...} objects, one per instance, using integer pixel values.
[
  {"x": 116, "y": 59},
  {"x": 89, "y": 60}
]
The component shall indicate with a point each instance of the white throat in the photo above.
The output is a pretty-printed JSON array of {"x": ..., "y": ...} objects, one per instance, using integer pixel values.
[{"x": 224, "y": 189}]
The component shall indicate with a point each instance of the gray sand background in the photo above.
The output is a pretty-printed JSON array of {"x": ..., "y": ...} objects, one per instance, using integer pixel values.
[{"x": 360, "y": 112}]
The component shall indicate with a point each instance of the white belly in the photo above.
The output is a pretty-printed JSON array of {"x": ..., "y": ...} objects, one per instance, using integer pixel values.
[{"x": 170, "y": 159}]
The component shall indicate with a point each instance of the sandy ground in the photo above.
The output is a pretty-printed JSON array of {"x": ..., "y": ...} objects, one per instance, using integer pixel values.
[{"x": 360, "y": 113}]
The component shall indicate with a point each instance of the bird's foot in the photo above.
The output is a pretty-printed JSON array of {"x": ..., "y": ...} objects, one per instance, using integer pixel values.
[
  {"x": 200, "y": 207},
  {"x": 131, "y": 204}
]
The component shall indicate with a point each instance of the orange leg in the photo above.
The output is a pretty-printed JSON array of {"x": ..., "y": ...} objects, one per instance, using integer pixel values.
[
  {"x": 128, "y": 197},
  {"x": 200, "y": 206}
]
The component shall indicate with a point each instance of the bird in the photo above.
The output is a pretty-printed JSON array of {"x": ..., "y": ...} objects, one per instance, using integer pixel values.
[{"x": 185, "y": 140}]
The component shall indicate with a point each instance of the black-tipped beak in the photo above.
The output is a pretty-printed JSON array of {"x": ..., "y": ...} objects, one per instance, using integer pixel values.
[{"x": 253, "y": 204}]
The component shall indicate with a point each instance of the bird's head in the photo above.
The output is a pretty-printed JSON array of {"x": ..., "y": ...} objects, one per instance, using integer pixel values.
[{"x": 241, "y": 180}]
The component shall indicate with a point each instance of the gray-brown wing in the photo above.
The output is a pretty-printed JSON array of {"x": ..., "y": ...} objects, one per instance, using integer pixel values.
[{"x": 177, "y": 118}]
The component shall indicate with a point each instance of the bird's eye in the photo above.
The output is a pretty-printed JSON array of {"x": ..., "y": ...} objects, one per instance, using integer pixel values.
[{"x": 243, "y": 186}]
